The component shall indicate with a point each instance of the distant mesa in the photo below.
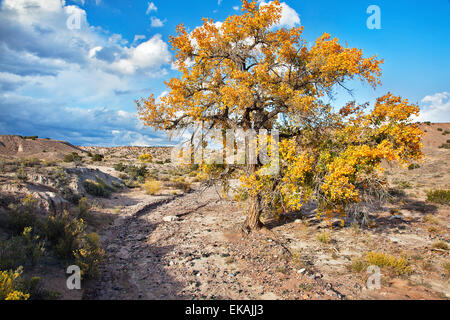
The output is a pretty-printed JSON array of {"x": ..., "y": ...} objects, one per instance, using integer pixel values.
[{"x": 13, "y": 146}]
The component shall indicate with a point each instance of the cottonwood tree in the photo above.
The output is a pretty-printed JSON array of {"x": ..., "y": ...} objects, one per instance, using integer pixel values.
[{"x": 248, "y": 73}]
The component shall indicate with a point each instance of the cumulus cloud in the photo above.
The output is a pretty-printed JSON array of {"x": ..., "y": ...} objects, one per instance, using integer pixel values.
[
  {"x": 52, "y": 77},
  {"x": 436, "y": 108},
  {"x": 156, "y": 22},
  {"x": 149, "y": 55},
  {"x": 289, "y": 17},
  {"x": 94, "y": 126}
]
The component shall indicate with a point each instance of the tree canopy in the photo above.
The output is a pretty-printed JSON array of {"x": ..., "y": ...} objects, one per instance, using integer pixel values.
[{"x": 248, "y": 73}]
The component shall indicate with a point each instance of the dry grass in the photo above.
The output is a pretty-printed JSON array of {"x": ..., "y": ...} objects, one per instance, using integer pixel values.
[
  {"x": 440, "y": 245},
  {"x": 439, "y": 196},
  {"x": 324, "y": 237}
]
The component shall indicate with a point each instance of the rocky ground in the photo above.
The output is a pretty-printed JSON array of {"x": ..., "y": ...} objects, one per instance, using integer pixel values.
[
  {"x": 179, "y": 247},
  {"x": 181, "y": 244}
]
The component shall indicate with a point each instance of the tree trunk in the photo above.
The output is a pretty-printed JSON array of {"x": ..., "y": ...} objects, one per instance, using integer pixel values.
[{"x": 253, "y": 222}]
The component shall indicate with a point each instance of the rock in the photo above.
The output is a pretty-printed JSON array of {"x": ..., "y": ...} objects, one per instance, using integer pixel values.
[
  {"x": 170, "y": 218},
  {"x": 398, "y": 217},
  {"x": 123, "y": 254},
  {"x": 302, "y": 270}
]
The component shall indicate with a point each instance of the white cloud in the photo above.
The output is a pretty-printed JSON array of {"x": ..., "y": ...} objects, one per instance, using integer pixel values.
[
  {"x": 53, "y": 79},
  {"x": 93, "y": 126},
  {"x": 149, "y": 55},
  {"x": 151, "y": 7},
  {"x": 138, "y": 37},
  {"x": 436, "y": 108},
  {"x": 236, "y": 8},
  {"x": 156, "y": 22},
  {"x": 289, "y": 17}
]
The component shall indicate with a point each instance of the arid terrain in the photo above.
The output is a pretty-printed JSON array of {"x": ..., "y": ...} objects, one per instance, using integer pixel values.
[{"x": 167, "y": 235}]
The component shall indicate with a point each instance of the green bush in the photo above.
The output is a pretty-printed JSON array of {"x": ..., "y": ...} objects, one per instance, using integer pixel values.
[
  {"x": 83, "y": 207},
  {"x": 25, "y": 249},
  {"x": 21, "y": 216},
  {"x": 89, "y": 255},
  {"x": 439, "y": 196},
  {"x": 31, "y": 137},
  {"x": 97, "y": 157},
  {"x": 445, "y": 146},
  {"x": 439, "y": 129},
  {"x": 63, "y": 233},
  {"x": 137, "y": 173},
  {"x": 22, "y": 175},
  {"x": 413, "y": 166},
  {"x": 98, "y": 188},
  {"x": 71, "y": 157},
  {"x": 120, "y": 167}
]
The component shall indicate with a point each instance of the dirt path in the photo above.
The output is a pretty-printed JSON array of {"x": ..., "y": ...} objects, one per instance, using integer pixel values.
[
  {"x": 201, "y": 254},
  {"x": 149, "y": 258}
]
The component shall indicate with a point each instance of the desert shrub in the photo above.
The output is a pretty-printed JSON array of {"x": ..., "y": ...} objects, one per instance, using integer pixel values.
[
  {"x": 439, "y": 196},
  {"x": 30, "y": 162},
  {"x": 446, "y": 266},
  {"x": 98, "y": 188},
  {"x": 71, "y": 157},
  {"x": 323, "y": 237},
  {"x": 31, "y": 137},
  {"x": 97, "y": 157},
  {"x": 404, "y": 185},
  {"x": 159, "y": 162},
  {"x": 63, "y": 233},
  {"x": 440, "y": 245},
  {"x": 429, "y": 218},
  {"x": 439, "y": 129},
  {"x": 10, "y": 285},
  {"x": 399, "y": 266},
  {"x": 152, "y": 187},
  {"x": 23, "y": 215},
  {"x": 445, "y": 146},
  {"x": 137, "y": 173},
  {"x": 428, "y": 123},
  {"x": 70, "y": 196},
  {"x": 120, "y": 167},
  {"x": 179, "y": 183},
  {"x": 413, "y": 166},
  {"x": 297, "y": 259},
  {"x": 21, "y": 175},
  {"x": 83, "y": 207},
  {"x": 145, "y": 157},
  {"x": 35, "y": 289},
  {"x": 358, "y": 265},
  {"x": 445, "y": 132},
  {"x": 25, "y": 249},
  {"x": 123, "y": 176},
  {"x": 89, "y": 255}
]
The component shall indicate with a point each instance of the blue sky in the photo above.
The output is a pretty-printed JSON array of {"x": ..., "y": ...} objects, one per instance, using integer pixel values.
[{"x": 78, "y": 83}]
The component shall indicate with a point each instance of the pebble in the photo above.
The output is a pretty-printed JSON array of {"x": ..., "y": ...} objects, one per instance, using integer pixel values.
[{"x": 171, "y": 218}]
